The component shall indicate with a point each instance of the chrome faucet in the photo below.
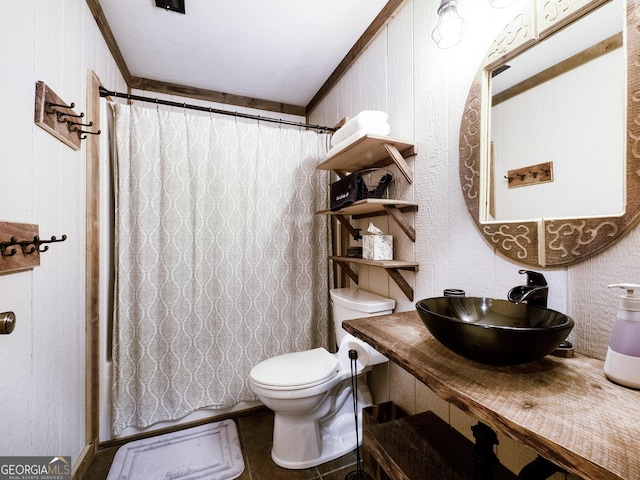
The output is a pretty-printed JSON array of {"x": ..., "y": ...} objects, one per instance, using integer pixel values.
[{"x": 535, "y": 292}]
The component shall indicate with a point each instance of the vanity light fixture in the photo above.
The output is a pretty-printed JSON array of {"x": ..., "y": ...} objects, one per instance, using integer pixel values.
[
  {"x": 452, "y": 26},
  {"x": 501, "y": 3}
]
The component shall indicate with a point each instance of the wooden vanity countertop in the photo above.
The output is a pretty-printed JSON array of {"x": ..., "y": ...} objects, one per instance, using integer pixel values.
[{"x": 563, "y": 408}]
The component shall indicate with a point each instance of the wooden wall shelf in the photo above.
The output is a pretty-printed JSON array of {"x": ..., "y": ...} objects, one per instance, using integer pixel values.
[
  {"x": 392, "y": 267},
  {"x": 372, "y": 151},
  {"x": 372, "y": 207}
]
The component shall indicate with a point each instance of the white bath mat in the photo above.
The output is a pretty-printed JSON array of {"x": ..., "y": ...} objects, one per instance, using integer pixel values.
[{"x": 208, "y": 452}]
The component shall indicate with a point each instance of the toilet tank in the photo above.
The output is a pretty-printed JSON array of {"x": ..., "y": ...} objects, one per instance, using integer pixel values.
[{"x": 349, "y": 303}]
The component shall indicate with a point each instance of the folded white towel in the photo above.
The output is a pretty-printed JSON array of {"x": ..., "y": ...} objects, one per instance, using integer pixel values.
[
  {"x": 374, "y": 120},
  {"x": 347, "y": 141}
]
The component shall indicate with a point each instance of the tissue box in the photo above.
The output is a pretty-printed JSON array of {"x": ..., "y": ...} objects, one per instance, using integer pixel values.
[{"x": 377, "y": 247}]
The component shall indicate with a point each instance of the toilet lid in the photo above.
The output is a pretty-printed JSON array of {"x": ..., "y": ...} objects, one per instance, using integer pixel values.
[{"x": 296, "y": 369}]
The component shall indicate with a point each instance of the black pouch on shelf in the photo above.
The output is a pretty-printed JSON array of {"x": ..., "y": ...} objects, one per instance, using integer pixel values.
[
  {"x": 354, "y": 187},
  {"x": 346, "y": 191}
]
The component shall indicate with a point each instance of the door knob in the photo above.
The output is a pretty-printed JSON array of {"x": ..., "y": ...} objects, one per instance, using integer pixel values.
[{"x": 7, "y": 322}]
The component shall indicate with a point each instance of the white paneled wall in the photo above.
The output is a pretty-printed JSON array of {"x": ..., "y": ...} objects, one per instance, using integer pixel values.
[
  {"x": 43, "y": 182},
  {"x": 583, "y": 139},
  {"x": 424, "y": 90}
]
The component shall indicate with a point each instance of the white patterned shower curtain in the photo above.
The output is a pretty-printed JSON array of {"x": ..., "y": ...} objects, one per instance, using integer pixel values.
[{"x": 220, "y": 260}]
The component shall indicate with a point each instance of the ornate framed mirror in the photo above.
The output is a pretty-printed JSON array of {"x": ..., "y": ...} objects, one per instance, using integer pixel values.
[{"x": 551, "y": 238}]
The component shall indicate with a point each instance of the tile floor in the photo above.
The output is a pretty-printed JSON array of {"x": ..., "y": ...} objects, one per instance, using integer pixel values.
[{"x": 255, "y": 431}]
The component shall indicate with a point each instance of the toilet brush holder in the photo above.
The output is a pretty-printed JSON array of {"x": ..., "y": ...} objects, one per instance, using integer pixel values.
[{"x": 358, "y": 473}]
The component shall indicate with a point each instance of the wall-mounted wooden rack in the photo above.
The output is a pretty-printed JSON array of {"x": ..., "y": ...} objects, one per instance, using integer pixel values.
[
  {"x": 58, "y": 118},
  {"x": 540, "y": 173},
  {"x": 367, "y": 152},
  {"x": 21, "y": 246}
]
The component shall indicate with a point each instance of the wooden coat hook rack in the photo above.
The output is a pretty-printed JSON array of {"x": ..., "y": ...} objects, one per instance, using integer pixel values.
[
  {"x": 58, "y": 118},
  {"x": 28, "y": 247},
  {"x": 21, "y": 246}
]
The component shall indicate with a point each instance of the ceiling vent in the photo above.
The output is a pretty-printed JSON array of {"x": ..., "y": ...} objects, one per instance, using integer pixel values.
[{"x": 173, "y": 5}]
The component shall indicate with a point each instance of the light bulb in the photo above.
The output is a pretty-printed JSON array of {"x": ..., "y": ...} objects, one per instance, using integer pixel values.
[{"x": 451, "y": 27}]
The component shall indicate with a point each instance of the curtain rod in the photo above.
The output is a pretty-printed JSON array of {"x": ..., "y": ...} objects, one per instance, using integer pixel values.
[{"x": 106, "y": 93}]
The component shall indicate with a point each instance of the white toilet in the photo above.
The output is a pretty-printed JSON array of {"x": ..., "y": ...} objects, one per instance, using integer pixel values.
[{"x": 310, "y": 392}]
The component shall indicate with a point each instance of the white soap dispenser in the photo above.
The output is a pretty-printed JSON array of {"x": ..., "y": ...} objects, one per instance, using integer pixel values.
[{"x": 622, "y": 364}]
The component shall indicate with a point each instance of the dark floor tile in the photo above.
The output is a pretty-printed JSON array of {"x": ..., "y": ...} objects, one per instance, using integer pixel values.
[
  {"x": 100, "y": 464},
  {"x": 245, "y": 474},
  {"x": 340, "y": 474},
  {"x": 262, "y": 467},
  {"x": 348, "y": 460},
  {"x": 256, "y": 429}
]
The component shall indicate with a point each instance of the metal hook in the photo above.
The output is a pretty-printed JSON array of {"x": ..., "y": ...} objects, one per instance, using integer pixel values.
[
  {"x": 34, "y": 246},
  {"x": 60, "y": 116},
  {"x": 5, "y": 245},
  {"x": 49, "y": 105},
  {"x": 73, "y": 128},
  {"x": 37, "y": 243},
  {"x": 83, "y": 137}
]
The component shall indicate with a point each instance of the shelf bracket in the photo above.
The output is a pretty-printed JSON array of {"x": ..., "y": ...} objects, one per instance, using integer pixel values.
[
  {"x": 354, "y": 232},
  {"x": 402, "y": 222},
  {"x": 401, "y": 282},
  {"x": 347, "y": 269},
  {"x": 399, "y": 161}
]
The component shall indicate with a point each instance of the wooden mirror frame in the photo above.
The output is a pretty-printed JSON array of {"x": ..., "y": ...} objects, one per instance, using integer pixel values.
[{"x": 549, "y": 242}]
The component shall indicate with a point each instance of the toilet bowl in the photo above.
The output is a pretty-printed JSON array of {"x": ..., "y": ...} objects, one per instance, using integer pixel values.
[{"x": 310, "y": 392}]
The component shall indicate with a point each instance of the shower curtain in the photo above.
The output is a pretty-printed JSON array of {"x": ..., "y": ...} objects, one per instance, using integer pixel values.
[{"x": 220, "y": 260}]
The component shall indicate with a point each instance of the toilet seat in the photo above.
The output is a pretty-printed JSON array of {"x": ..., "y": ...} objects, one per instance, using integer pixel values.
[{"x": 297, "y": 370}]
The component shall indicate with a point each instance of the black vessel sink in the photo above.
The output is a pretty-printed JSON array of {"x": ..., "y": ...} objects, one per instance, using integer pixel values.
[{"x": 494, "y": 332}]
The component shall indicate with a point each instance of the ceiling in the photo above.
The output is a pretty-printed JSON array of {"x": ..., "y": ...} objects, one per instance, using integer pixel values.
[{"x": 276, "y": 51}]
